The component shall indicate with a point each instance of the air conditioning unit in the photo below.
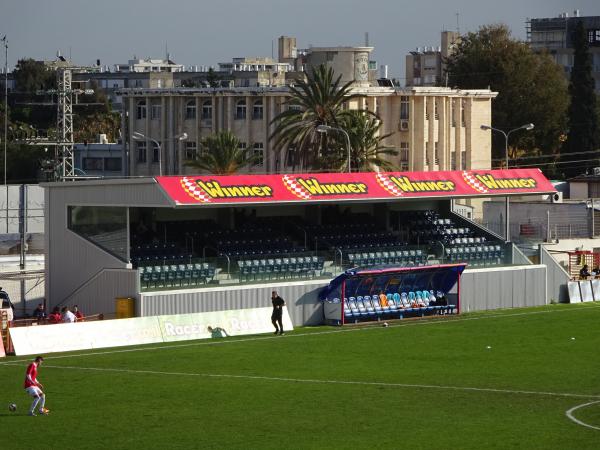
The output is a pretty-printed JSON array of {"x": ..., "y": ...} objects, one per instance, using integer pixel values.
[
  {"x": 557, "y": 197},
  {"x": 403, "y": 125},
  {"x": 596, "y": 171}
]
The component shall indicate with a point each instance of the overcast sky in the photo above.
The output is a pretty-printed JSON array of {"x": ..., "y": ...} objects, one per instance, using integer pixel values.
[{"x": 200, "y": 32}]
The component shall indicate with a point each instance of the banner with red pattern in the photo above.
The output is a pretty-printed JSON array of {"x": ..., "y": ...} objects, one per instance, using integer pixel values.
[{"x": 317, "y": 187}]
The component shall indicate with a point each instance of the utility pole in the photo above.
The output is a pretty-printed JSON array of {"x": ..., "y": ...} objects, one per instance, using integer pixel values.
[
  {"x": 64, "y": 154},
  {"x": 5, "y": 103}
]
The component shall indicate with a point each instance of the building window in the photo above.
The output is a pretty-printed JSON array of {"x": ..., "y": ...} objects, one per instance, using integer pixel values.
[
  {"x": 426, "y": 154},
  {"x": 436, "y": 157},
  {"x": 290, "y": 156},
  {"x": 155, "y": 111},
  {"x": 141, "y": 110},
  {"x": 155, "y": 152},
  {"x": 452, "y": 110},
  {"x": 404, "y": 152},
  {"x": 190, "y": 150},
  {"x": 141, "y": 152},
  {"x": 463, "y": 160},
  {"x": 257, "y": 110},
  {"x": 404, "y": 108},
  {"x": 112, "y": 164},
  {"x": 92, "y": 164},
  {"x": 259, "y": 153},
  {"x": 240, "y": 110},
  {"x": 452, "y": 160},
  {"x": 190, "y": 110},
  {"x": 462, "y": 113},
  {"x": 207, "y": 110},
  {"x": 403, "y": 166},
  {"x": 242, "y": 146},
  {"x": 436, "y": 113}
]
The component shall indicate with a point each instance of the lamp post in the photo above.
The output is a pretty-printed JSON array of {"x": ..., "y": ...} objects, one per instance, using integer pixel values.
[
  {"x": 528, "y": 127},
  {"x": 137, "y": 136},
  {"x": 5, "y": 103},
  {"x": 326, "y": 128}
]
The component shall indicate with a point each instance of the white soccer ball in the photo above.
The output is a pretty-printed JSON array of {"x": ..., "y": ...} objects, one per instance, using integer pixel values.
[
  {"x": 12, "y": 407},
  {"x": 385, "y": 324}
]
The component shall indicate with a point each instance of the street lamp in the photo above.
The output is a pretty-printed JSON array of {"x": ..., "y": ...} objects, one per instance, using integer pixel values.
[
  {"x": 527, "y": 127},
  {"x": 137, "y": 136},
  {"x": 326, "y": 128}
]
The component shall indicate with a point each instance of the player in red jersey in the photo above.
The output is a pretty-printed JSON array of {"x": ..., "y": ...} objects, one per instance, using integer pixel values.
[{"x": 34, "y": 388}]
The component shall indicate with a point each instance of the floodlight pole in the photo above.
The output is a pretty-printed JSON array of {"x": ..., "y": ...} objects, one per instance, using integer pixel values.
[
  {"x": 140, "y": 136},
  {"x": 5, "y": 104},
  {"x": 326, "y": 128},
  {"x": 527, "y": 127}
]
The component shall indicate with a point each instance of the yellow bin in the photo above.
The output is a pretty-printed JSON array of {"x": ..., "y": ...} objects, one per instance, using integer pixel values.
[{"x": 125, "y": 307}]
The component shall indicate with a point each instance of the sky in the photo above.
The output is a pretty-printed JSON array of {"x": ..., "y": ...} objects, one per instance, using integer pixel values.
[{"x": 201, "y": 32}]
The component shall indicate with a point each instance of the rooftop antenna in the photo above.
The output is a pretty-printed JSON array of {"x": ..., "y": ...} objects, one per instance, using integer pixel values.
[
  {"x": 167, "y": 50},
  {"x": 457, "y": 23},
  {"x": 366, "y": 39}
]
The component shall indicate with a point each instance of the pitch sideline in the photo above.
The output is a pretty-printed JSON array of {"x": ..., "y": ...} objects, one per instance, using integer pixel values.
[{"x": 318, "y": 381}]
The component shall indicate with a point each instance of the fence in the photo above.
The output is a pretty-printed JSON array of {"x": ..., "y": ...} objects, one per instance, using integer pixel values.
[
  {"x": 21, "y": 219},
  {"x": 541, "y": 221}
]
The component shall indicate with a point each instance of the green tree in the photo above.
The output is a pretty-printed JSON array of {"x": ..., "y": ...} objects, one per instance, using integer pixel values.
[
  {"x": 531, "y": 89},
  {"x": 317, "y": 101},
  {"x": 31, "y": 76},
  {"x": 221, "y": 155},
  {"x": 583, "y": 113},
  {"x": 367, "y": 150}
]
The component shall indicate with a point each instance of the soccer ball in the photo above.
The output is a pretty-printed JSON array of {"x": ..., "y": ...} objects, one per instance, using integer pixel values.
[
  {"x": 12, "y": 407},
  {"x": 385, "y": 324}
]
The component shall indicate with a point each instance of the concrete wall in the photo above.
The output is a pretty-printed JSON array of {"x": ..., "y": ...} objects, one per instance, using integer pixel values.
[
  {"x": 480, "y": 289},
  {"x": 503, "y": 287},
  {"x": 301, "y": 299},
  {"x": 556, "y": 278}
]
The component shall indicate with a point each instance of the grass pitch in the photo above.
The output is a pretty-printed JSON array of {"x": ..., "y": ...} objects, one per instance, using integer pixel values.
[{"x": 493, "y": 380}]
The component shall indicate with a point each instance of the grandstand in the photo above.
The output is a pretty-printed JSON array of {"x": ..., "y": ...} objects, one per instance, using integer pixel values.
[{"x": 193, "y": 244}]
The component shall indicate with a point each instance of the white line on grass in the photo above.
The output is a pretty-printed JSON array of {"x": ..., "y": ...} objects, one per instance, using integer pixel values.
[
  {"x": 570, "y": 412},
  {"x": 377, "y": 326},
  {"x": 317, "y": 381}
]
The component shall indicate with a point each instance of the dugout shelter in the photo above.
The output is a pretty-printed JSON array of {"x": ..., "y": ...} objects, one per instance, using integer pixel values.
[{"x": 184, "y": 244}]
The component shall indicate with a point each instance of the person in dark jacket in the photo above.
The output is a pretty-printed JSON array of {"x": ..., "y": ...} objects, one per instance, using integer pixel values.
[{"x": 277, "y": 316}]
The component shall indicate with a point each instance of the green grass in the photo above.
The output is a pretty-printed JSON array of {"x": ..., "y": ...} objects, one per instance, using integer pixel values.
[{"x": 284, "y": 405}]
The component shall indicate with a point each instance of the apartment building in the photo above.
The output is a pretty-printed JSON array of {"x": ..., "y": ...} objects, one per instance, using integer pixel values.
[
  {"x": 426, "y": 66},
  {"x": 555, "y": 35},
  {"x": 433, "y": 128}
]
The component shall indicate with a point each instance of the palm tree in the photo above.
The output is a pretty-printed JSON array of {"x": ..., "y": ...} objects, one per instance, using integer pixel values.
[
  {"x": 222, "y": 155},
  {"x": 366, "y": 145},
  {"x": 316, "y": 101}
]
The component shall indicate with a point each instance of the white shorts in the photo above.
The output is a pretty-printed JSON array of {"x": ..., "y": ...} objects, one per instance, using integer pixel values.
[{"x": 34, "y": 391}]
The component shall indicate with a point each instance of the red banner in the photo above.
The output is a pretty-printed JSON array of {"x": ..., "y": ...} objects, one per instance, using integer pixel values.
[{"x": 316, "y": 187}]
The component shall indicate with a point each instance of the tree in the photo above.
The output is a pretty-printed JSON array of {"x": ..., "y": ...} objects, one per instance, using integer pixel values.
[
  {"x": 31, "y": 76},
  {"x": 222, "y": 155},
  {"x": 583, "y": 113},
  {"x": 317, "y": 101},
  {"x": 531, "y": 89},
  {"x": 367, "y": 151}
]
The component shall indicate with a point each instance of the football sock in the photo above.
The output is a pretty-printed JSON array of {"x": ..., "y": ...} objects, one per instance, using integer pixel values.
[
  {"x": 42, "y": 401},
  {"x": 34, "y": 404}
]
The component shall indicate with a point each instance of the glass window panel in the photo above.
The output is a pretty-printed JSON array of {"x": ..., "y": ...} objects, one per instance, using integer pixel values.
[{"x": 105, "y": 226}]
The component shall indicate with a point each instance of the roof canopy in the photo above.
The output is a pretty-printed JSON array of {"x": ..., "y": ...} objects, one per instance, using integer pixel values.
[{"x": 365, "y": 186}]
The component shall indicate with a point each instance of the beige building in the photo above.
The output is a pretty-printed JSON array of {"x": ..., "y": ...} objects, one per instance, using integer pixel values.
[
  {"x": 433, "y": 128},
  {"x": 426, "y": 65}
]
